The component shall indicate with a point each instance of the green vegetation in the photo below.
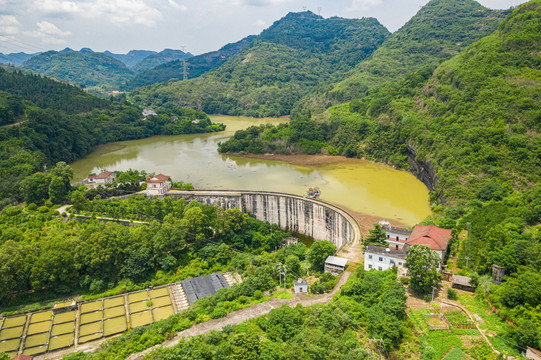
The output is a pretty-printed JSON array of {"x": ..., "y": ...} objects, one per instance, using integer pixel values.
[
  {"x": 371, "y": 305},
  {"x": 164, "y": 56},
  {"x": 319, "y": 252},
  {"x": 440, "y": 30},
  {"x": 197, "y": 66},
  {"x": 422, "y": 264},
  {"x": 58, "y": 122},
  {"x": 285, "y": 62},
  {"x": 90, "y": 69},
  {"x": 41, "y": 254}
]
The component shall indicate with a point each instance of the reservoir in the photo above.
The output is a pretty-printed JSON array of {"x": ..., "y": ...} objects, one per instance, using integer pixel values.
[{"x": 365, "y": 187}]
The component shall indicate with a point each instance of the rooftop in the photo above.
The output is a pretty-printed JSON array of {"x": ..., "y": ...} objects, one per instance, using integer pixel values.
[
  {"x": 301, "y": 281},
  {"x": 397, "y": 230},
  {"x": 431, "y": 235},
  {"x": 103, "y": 175},
  {"x": 371, "y": 249},
  {"x": 337, "y": 261},
  {"x": 160, "y": 178},
  {"x": 461, "y": 280},
  {"x": 201, "y": 286}
]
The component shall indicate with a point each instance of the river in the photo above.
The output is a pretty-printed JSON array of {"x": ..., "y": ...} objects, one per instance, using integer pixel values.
[{"x": 365, "y": 187}]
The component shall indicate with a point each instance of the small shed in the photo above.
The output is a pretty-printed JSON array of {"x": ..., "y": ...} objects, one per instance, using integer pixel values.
[
  {"x": 335, "y": 265},
  {"x": 63, "y": 307},
  {"x": 290, "y": 241},
  {"x": 301, "y": 286},
  {"x": 462, "y": 283},
  {"x": 532, "y": 353},
  {"x": 497, "y": 274}
]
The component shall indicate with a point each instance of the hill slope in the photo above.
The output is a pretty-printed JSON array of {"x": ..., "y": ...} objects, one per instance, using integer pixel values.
[
  {"x": 440, "y": 30},
  {"x": 474, "y": 120},
  {"x": 88, "y": 69},
  {"x": 284, "y": 63},
  {"x": 15, "y": 58},
  {"x": 132, "y": 57},
  {"x": 157, "y": 59},
  {"x": 197, "y": 66}
]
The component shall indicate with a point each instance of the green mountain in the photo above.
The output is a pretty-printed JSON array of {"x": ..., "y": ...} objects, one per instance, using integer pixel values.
[
  {"x": 440, "y": 30},
  {"x": 15, "y": 58},
  {"x": 157, "y": 59},
  {"x": 132, "y": 57},
  {"x": 88, "y": 69},
  {"x": 284, "y": 63},
  {"x": 58, "y": 122},
  {"x": 197, "y": 66},
  {"x": 473, "y": 120}
]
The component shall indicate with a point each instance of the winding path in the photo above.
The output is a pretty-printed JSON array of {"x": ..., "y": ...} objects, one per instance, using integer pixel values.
[{"x": 251, "y": 312}]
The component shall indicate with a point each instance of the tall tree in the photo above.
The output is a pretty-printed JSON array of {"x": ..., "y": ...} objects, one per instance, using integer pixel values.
[
  {"x": 422, "y": 264},
  {"x": 319, "y": 252}
]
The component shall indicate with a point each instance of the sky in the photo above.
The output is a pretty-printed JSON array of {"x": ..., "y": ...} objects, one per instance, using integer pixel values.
[{"x": 198, "y": 26}]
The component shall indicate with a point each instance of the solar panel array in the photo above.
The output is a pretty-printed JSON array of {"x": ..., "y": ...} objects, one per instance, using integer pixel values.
[{"x": 201, "y": 286}]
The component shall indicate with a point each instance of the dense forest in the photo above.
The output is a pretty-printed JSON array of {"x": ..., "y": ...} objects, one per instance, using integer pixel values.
[
  {"x": 92, "y": 256},
  {"x": 196, "y": 66},
  {"x": 470, "y": 129},
  {"x": 57, "y": 122},
  {"x": 285, "y": 62},
  {"x": 440, "y": 30}
]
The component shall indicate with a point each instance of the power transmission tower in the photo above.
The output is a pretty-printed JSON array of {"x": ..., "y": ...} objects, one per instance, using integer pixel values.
[
  {"x": 319, "y": 11},
  {"x": 184, "y": 65}
]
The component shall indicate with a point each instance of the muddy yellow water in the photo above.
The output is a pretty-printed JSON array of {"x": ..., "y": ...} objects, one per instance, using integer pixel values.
[{"x": 361, "y": 186}]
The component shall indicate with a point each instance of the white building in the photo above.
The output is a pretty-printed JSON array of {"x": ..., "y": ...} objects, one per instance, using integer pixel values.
[
  {"x": 396, "y": 237},
  {"x": 383, "y": 258},
  {"x": 106, "y": 177},
  {"x": 158, "y": 185},
  {"x": 301, "y": 286}
]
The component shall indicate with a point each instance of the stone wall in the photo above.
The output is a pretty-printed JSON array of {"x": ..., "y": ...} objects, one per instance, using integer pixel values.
[{"x": 314, "y": 218}]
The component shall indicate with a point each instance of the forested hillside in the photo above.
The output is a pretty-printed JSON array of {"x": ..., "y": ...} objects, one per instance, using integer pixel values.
[
  {"x": 287, "y": 61},
  {"x": 197, "y": 66},
  {"x": 88, "y": 69},
  {"x": 15, "y": 58},
  {"x": 132, "y": 57},
  {"x": 160, "y": 58},
  {"x": 471, "y": 130},
  {"x": 440, "y": 30},
  {"x": 58, "y": 122}
]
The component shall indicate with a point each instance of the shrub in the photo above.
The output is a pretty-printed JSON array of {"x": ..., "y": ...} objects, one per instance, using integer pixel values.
[
  {"x": 43, "y": 209},
  {"x": 405, "y": 280},
  {"x": 32, "y": 207},
  {"x": 219, "y": 312},
  {"x": 451, "y": 294},
  {"x": 258, "y": 295}
]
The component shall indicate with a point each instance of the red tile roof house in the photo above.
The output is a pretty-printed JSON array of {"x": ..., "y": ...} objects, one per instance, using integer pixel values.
[
  {"x": 433, "y": 236},
  {"x": 158, "y": 185},
  {"x": 106, "y": 177}
]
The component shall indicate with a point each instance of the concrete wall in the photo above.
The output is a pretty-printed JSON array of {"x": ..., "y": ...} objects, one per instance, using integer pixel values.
[{"x": 314, "y": 218}]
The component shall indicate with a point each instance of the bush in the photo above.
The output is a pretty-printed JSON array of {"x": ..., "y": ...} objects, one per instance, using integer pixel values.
[
  {"x": 451, "y": 294},
  {"x": 405, "y": 280},
  {"x": 32, "y": 207},
  {"x": 43, "y": 209},
  {"x": 258, "y": 295},
  {"x": 219, "y": 312}
]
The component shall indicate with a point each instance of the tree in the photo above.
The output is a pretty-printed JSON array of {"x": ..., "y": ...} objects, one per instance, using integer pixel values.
[
  {"x": 422, "y": 264},
  {"x": 527, "y": 334},
  {"x": 57, "y": 190},
  {"x": 293, "y": 265},
  {"x": 377, "y": 235},
  {"x": 319, "y": 252},
  {"x": 35, "y": 188}
]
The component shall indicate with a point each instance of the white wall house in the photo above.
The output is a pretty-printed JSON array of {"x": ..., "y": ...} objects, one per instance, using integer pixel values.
[
  {"x": 106, "y": 177},
  {"x": 158, "y": 185},
  {"x": 396, "y": 237},
  {"x": 383, "y": 258}
]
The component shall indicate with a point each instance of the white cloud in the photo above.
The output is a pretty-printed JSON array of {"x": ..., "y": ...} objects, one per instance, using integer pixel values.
[
  {"x": 260, "y": 22},
  {"x": 9, "y": 25},
  {"x": 177, "y": 6},
  {"x": 258, "y": 2},
  {"x": 118, "y": 12},
  {"x": 363, "y": 4},
  {"x": 48, "y": 33}
]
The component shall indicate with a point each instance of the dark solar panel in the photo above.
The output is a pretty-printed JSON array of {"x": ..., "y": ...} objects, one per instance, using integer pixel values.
[{"x": 201, "y": 286}]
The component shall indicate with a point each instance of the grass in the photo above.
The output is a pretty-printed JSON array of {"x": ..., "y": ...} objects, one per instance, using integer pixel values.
[
  {"x": 455, "y": 354},
  {"x": 282, "y": 294}
]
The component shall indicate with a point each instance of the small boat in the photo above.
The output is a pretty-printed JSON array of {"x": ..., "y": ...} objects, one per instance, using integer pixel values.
[{"x": 313, "y": 193}]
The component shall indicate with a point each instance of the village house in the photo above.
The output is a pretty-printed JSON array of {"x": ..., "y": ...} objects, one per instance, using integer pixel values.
[
  {"x": 398, "y": 240},
  {"x": 158, "y": 185},
  {"x": 335, "y": 265},
  {"x": 106, "y": 177}
]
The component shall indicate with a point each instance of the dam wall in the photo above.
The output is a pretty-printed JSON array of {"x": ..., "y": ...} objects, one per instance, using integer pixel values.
[{"x": 315, "y": 218}]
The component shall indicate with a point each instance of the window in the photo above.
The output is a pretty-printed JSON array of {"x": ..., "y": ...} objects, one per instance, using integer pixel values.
[
  {"x": 370, "y": 257},
  {"x": 370, "y": 266},
  {"x": 379, "y": 268},
  {"x": 380, "y": 259},
  {"x": 400, "y": 263}
]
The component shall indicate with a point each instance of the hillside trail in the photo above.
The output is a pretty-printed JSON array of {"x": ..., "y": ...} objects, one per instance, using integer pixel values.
[{"x": 251, "y": 312}]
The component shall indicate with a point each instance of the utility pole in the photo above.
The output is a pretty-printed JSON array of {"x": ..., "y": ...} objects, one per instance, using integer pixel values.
[
  {"x": 433, "y": 288},
  {"x": 468, "y": 246}
]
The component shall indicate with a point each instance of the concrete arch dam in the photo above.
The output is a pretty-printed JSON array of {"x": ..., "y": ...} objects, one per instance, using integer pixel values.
[{"x": 315, "y": 218}]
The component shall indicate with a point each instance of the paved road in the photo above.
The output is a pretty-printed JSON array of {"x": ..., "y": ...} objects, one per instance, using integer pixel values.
[{"x": 251, "y": 312}]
